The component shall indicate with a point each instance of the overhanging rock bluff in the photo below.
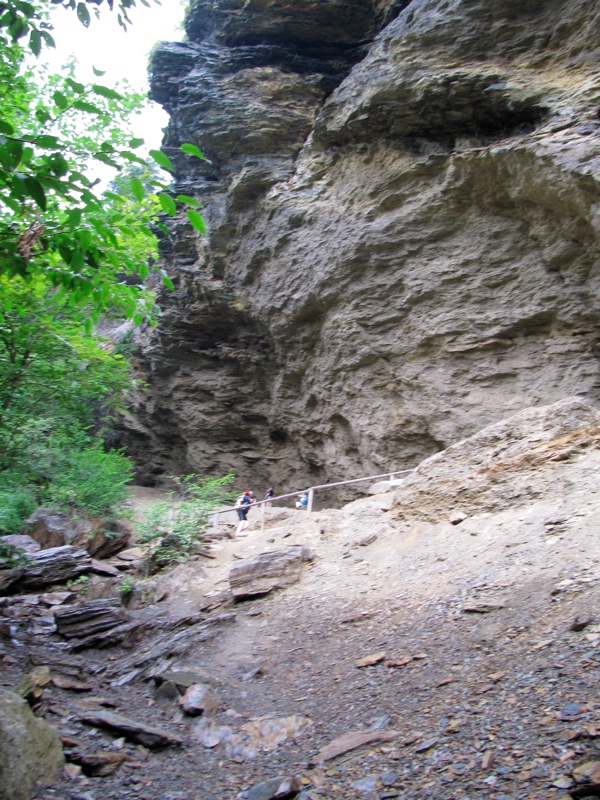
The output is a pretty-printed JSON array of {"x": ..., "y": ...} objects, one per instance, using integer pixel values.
[{"x": 402, "y": 207}]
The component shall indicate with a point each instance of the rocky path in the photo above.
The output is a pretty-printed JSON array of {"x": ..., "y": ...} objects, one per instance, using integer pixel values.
[{"x": 415, "y": 658}]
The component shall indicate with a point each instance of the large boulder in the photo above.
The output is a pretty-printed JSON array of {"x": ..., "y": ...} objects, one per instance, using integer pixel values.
[
  {"x": 30, "y": 750},
  {"x": 275, "y": 569},
  {"x": 102, "y": 538},
  {"x": 56, "y": 565}
]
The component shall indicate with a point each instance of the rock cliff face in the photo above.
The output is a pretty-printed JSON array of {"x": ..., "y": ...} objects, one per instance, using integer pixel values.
[{"x": 403, "y": 216}]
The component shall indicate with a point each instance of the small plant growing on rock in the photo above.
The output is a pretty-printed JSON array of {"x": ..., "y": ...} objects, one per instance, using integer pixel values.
[
  {"x": 11, "y": 556},
  {"x": 79, "y": 584},
  {"x": 173, "y": 528},
  {"x": 126, "y": 586}
]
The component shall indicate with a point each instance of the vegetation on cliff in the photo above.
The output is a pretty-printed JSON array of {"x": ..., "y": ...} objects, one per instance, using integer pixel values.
[{"x": 71, "y": 255}]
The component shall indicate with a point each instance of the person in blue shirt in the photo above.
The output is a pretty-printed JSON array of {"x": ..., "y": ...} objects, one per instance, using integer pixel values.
[{"x": 302, "y": 501}]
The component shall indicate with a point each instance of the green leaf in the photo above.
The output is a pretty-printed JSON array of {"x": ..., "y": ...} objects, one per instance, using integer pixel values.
[
  {"x": 36, "y": 191},
  {"x": 48, "y": 142},
  {"x": 196, "y": 220},
  {"x": 17, "y": 28},
  {"x": 137, "y": 189},
  {"x": 11, "y": 153},
  {"x": 74, "y": 217},
  {"x": 132, "y": 158},
  {"x": 189, "y": 201},
  {"x": 59, "y": 165},
  {"x": 60, "y": 100},
  {"x": 6, "y": 128},
  {"x": 83, "y": 15},
  {"x": 85, "y": 239},
  {"x": 105, "y": 91},
  {"x": 167, "y": 204},
  {"x": 88, "y": 326},
  {"x": 106, "y": 160},
  {"x": 135, "y": 143},
  {"x": 89, "y": 108},
  {"x": 162, "y": 160},
  {"x": 35, "y": 42},
  {"x": 98, "y": 72},
  {"x": 11, "y": 203},
  {"x": 168, "y": 282},
  {"x": 77, "y": 87},
  {"x": 48, "y": 39},
  {"x": 192, "y": 150}
]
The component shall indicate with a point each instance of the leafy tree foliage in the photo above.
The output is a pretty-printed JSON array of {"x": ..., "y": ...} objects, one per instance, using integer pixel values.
[
  {"x": 52, "y": 220},
  {"x": 59, "y": 386},
  {"x": 70, "y": 255}
]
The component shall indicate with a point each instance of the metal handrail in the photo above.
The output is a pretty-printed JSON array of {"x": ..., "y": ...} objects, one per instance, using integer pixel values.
[{"x": 310, "y": 491}]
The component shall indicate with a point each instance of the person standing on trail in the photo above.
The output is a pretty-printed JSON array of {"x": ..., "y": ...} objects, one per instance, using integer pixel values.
[
  {"x": 242, "y": 505},
  {"x": 269, "y": 495},
  {"x": 302, "y": 501}
]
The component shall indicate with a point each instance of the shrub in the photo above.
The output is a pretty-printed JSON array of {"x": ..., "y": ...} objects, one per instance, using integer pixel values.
[
  {"x": 90, "y": 480},
  {"x": 16, "y": 504},
  {"x": 173, "y": 528}
]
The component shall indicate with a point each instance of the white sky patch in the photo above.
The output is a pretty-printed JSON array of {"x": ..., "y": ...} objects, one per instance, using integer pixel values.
[{"x": 122, "y": 55}]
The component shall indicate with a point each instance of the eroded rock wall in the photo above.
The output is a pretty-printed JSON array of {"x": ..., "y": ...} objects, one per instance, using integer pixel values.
[{"x": 403, "y": 212}]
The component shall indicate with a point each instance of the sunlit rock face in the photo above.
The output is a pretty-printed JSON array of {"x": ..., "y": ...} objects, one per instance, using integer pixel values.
[{"x": 403, "y": 212}]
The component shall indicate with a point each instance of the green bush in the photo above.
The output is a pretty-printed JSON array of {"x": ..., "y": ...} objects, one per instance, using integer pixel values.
[
  {"x": 16, "y": 504},
  {"x": 90, "y": 480},
  {"x": 173, "y": 528}
]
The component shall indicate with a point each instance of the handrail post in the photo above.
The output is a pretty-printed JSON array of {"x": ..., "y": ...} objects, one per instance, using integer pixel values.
[
  {"x": 215, "y": 522},
  {"x": 262, "y": 517},
  {"x": 309, "y": 504}
]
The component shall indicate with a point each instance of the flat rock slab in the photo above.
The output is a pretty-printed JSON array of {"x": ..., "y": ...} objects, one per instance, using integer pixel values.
[
  {"x": 267, "y": 571},
  {"x": 131, "y": 729},
  {"x": 183, "y": 680},
  {"x": 352, "y": 741},
  {"x": 99, "y": 763},
  {"x": 274, "y": 789},
  {"x": 88, "y": 618},
  {"x": 56, "y": 565}
]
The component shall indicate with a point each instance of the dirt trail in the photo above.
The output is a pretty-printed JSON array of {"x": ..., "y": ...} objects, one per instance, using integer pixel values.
[{"x": 466, "y": 640}]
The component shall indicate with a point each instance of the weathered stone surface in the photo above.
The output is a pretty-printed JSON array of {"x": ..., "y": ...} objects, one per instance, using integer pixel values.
[
  {"x": 98, "y": 763},
  {"x": 389, "y": 266},
  {"x": 476, "y": 470},
  {"x": 55, "y": 565},
  {"x": 282, "y": 788},
  {"x": 88, "y": 618},
  {"x": 183, "y": 680},
  {"x": 30, "y": 750},
  {"x": 25, "y": 543},
  {"x": 199, "y": 699},
  {"x": 134, "y": 730},
  {"x": 101, "y": 538},
  {"x": 265, "y": 572},
  {"x": 352, "y": 741}
]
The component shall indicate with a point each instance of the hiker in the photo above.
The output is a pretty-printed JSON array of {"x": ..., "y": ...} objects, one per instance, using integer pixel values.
[
  {"x": 302, "y": 502},
  {"x": 242, "y": 505},
  {"x": 269, "y": 495}
]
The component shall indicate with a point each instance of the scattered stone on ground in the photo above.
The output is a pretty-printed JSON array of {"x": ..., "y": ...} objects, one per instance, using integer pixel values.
[{"x": 478, "y": 654}]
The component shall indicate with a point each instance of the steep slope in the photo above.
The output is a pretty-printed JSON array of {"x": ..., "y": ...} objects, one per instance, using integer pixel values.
[
  {"x": 402, "y": 210},
  {"x": 462, "y": 647}
]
